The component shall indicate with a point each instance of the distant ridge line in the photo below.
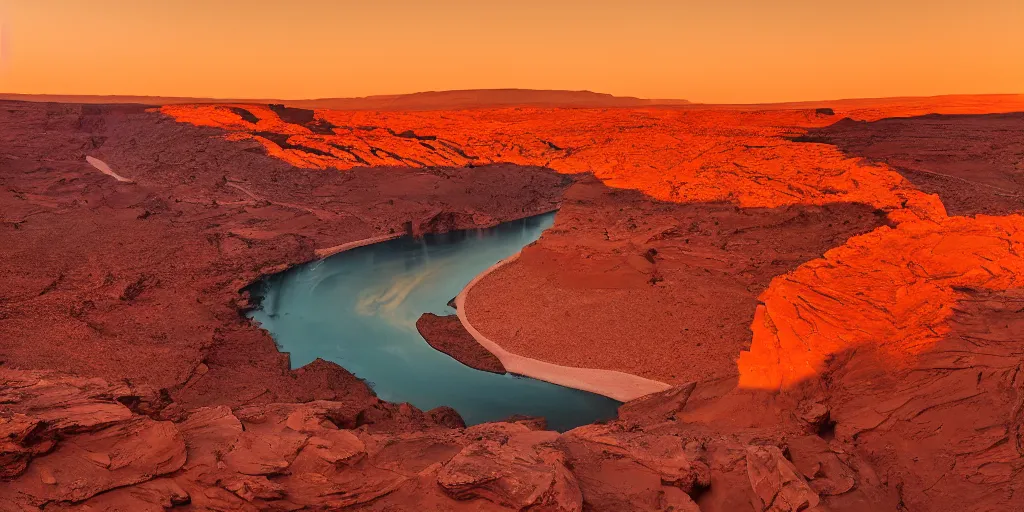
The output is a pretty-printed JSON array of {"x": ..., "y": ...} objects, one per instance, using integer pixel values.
[
  {"x": 430, "y": 100},
  {"x": 506, "y": 98}
]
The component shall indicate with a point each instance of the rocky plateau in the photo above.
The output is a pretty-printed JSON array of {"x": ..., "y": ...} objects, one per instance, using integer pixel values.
[{"x": 834, "y": 295}]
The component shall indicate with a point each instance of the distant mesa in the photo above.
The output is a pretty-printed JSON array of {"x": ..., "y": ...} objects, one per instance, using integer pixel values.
[
  {"x": 432, "y": 100},
  {"x": 539, "y": 98},
  {"x": 479, "y": 98}
]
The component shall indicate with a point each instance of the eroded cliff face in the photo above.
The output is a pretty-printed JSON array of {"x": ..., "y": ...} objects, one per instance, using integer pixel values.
[
  {"x": 82, "y": 444},
  {"x": 837, "y": 340}
]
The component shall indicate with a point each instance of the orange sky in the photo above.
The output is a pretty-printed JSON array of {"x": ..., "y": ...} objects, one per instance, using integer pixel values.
[{"x": 709, "y": 51}]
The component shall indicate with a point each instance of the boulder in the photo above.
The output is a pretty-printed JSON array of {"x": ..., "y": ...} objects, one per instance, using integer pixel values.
[
  {"x": 627, "y": 470},
  {"x": 776, "y": 481},
  {"x": 525, "y": 472},
  {"x": 87, "y": 464},
  {"x": 657, "y": 407},
  {"x": 447, "y": 417}
]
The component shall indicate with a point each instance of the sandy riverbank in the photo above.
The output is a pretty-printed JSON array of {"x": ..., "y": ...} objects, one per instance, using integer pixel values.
[{"x": 616, "y": 385}]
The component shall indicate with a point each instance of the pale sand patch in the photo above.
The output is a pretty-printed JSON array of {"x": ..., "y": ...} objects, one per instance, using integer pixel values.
[
  {"x": 616, "y": 385},
  {"x": 328, "y": 251},
  {"x": 385, "y": 301},
  {"x": 105, "y": 169}
]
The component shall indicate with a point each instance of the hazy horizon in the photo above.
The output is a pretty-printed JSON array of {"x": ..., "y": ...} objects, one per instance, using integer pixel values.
[
  {"x": 734, "y": 51},
  {"x": 374, "y": 96}
]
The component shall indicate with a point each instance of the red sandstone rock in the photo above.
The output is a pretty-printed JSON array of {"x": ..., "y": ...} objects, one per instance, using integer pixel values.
[
  {"x": 530, "y": 422},
  {"x": 447, "y": 416},
  {"x": 941, "y": 154},
  {"x": 446, "y": 334},
  {"x": 906, "y": 337},
  {"x": 776, "y": 481},
  {"x": 522, "y": 471},
  {"x": 109, "y": 446},
  {"x": 892, "y": 289},
  {"x": 622, "y": 470},
  {"x": 657, "y": 407}
]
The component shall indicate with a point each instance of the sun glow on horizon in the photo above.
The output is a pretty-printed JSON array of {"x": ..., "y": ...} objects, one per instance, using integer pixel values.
[{"x": 729, "y": 51}]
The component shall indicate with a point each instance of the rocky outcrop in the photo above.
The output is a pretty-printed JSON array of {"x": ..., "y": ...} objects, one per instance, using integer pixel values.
[
  {"x": 446, "y": 334},
  {"x": 70, "y": 444},
  {"x": 880, "y": 336},
  {"x": 622, "y": 470},
  {"x": 530, "y": 422},
  {"x": 514, "y": 467},
  {"x": 69, "y": 439},
  {"x": 971, "y": 161},
  {"x": 776, "y": 482},
  {"x": 893, "y": 290},
  {"x": 657, "y": 407},
  {"x": 670, "y": 155}
]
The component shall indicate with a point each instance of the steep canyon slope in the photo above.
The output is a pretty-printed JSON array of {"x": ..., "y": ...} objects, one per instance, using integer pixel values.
[{"x": 837, "y": 337}]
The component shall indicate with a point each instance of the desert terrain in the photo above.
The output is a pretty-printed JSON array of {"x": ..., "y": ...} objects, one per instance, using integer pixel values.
[{"x": 830, "y": 293}]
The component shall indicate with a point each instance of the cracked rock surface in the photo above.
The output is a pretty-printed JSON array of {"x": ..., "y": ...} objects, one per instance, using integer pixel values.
[{"x": 843, "y": 330}]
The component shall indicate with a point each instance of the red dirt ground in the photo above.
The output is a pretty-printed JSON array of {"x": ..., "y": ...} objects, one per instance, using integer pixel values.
[{"x": 839, "y": 340}]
